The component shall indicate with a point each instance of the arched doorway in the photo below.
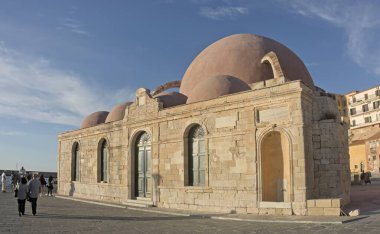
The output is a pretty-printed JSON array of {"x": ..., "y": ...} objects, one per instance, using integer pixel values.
[
  {"x": 143, "y": 186},
  {"x": 275, "y": 167}
]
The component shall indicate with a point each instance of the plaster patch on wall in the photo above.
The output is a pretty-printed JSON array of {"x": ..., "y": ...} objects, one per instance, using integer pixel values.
[
  {"x": 273, "y": 114},
  {"x": 226, "y": 121}
]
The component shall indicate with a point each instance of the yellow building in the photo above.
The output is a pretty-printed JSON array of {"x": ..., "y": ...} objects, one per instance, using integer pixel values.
[
  {"x": 358, "y": 158},
  {"x": 364, "y": 148},
  {"x": 341, "y": 102}
]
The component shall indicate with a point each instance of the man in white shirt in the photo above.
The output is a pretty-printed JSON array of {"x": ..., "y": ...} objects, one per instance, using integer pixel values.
[{"x": 34, "y": 188}]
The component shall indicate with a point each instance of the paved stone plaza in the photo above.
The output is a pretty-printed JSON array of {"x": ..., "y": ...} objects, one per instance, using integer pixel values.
[{"x": 57, "y": 215}]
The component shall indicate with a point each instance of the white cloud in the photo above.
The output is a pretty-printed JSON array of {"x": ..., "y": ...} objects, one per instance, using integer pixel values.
[
  {"x": 74, "y": 26},
  {"x": 32, "y": 89},
  {"x": 359, "y": 19},
  {"x": 222, "y": 12}
]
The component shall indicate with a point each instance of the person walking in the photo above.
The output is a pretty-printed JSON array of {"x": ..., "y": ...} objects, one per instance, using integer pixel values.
[
  {"x": 4, "y": 182},
  {"x": 362, "y": 175},
  {"x": 50, "y": 186},
  {"x": 367, "y": 177},
  {"x": 34, "y": 188},
  {"x": 13, "y": 185},
  {"x": 43, "y": 184},
  {"x": 21, "y": 196},
  {"x": 28, "y": 177}
]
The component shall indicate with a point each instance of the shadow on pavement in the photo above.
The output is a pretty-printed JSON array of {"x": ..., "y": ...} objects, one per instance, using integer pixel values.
[
  {"x": 366, "y": 198},
  {"x": 112, "y": 218}
]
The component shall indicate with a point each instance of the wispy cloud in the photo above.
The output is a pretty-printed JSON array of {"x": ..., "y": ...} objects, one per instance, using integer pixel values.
[
  {"x": 222, "y": 12},
  {"x": 359, "y": 19},
  {"x": 222, "y": 9},
  {"x": 312, "y": 64},
  {"x": 73, "y": 26},
  {"x": 32, "y": 89}
]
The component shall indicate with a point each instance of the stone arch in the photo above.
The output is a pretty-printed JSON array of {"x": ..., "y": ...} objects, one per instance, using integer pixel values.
[
  {"x": 275, "y": 180},
  {"x": 140, "y": 164},
  {"x": 168, "y": 85},
  {"x": 272, "y": 60}
]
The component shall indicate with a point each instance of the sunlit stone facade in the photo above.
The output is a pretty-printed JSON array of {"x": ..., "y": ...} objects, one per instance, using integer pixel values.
[{"x": 275, "y": 145}]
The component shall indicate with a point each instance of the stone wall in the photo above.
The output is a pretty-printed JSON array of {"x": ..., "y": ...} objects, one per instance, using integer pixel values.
[
  {"x": 235, "y": 126},
  {"x": 330, "y": 152},
  {"x": 324, "y": 207},
  {"x": 88, "y": 186}
]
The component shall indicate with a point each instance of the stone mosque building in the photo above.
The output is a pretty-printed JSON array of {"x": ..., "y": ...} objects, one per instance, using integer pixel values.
[{"x": 248, "y": 132}]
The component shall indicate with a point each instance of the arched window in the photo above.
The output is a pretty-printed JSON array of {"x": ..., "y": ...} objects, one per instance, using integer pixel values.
[
  {"x": 196, "y": 156},
  {"x": 103, "y": 161},
  {"x": 75, "y": 168}
]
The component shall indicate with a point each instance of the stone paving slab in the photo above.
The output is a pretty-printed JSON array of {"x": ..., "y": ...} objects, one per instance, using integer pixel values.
[{"x": 56, "y": 215}]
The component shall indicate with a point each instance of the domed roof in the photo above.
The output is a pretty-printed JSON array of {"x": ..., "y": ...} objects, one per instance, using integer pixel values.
[
  {"x": 170, "y": 99},
  {"x": 240, "y": 56},
  {"x": 216, "y": 86},
  {"x": 94, "y": 119},
  {"x": 117, "y": 112}
]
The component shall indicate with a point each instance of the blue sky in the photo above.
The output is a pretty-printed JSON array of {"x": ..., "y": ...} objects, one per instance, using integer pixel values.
[{"x": 62, "y": 60}]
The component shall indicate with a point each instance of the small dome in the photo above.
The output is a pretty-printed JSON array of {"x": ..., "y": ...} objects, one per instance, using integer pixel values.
[
  {"x": 94, "y": 119},
  {"x": 117, "y": 112},
  {"x": 170, "y": 99},
  {"x": 240, "y": 56},
  {"x": 216, "y": 86}
]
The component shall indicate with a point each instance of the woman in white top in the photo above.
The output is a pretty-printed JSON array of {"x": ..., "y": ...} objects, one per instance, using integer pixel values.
[
  {"x": 21, "y": 196},
  {"x": 3, "y": 182}
]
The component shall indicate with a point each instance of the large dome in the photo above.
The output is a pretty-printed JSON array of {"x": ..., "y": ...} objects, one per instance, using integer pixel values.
[
  {"x": 215, "y": 87},
  {"x": 117, "y": 113},
  {"x": 170, "y": 99},
  {"x": 94, "y": 119},
  {"x": 240, "y": 56}
]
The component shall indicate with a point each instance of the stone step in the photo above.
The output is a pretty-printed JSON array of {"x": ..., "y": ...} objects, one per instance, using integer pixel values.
[{"x": 139, "y": 202}]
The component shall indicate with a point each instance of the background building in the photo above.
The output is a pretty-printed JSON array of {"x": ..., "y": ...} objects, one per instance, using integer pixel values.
[
  {"x": 364, "y": 107},
  {"x": 364, "y": 118}
]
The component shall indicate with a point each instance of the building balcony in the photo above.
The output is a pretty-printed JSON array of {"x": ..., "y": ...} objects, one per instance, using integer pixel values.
[
  {"x": 361, "y": 112},
  {"x": 364, "y": 124},
  {"x": 358, "y": 102}
]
